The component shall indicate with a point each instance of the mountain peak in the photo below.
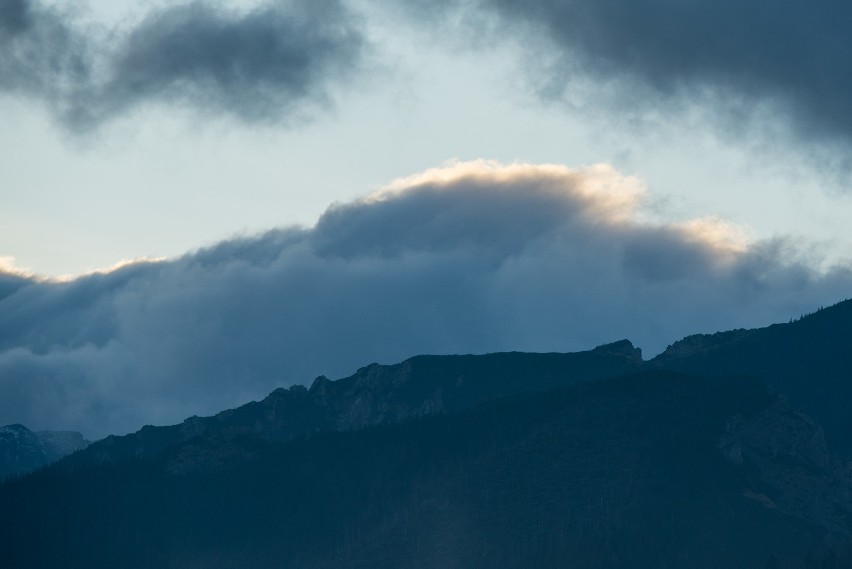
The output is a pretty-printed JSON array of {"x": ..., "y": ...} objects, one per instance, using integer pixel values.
[
  {"x": 623, "y": 348},
  {"x": 319, "y": 385},
  {"x": 22, "y": 450}
]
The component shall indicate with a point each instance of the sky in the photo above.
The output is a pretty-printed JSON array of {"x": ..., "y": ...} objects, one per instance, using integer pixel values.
[{"x": 203, "y": 201}]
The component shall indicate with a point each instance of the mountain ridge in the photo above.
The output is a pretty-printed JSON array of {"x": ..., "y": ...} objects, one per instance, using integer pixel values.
[{"x": 377, "y": 394}]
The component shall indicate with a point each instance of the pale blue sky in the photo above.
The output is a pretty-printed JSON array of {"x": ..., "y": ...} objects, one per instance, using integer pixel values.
[{"x": 161, "y": 181}]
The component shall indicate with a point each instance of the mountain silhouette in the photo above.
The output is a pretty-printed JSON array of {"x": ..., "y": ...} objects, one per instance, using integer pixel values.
[
  {"x": 701, "y": 457},
  {"x": 378, "y": 394}
]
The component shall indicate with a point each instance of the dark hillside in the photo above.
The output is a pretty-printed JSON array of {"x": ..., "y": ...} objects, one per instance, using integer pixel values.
[
  {"x": 809, "y": 361},
  {"x": 650, "y": 470}
]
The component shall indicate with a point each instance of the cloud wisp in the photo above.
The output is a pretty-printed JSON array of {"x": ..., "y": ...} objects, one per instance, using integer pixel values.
[
  {"x": 471, "y": 257},
  {"x": 278, "y": 62}
]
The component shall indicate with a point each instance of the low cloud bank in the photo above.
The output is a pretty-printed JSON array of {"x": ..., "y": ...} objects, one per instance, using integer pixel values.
[{"x": 472, "y": 257}]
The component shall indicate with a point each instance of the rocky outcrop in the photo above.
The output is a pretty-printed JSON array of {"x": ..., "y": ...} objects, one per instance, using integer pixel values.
[
  {"x": 790, "y": 465},
  {"x": 623, "y": 348},
  {"x": 700, "y": 344}
]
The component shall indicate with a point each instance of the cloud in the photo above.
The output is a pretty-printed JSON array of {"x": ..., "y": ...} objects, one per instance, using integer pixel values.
[
  {"x": 755, "y": 60},
  {"x": 472, "y": 257},
  {"x": 277, "y": 62},
  {"x": 39, "y": 55}
]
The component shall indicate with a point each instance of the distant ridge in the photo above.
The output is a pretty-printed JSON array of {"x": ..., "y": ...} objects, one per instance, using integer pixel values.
[{"x": 22, "y": 450}]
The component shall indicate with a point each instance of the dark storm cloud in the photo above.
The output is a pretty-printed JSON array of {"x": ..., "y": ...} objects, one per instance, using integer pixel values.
[
  {"x": 474, "y": 257},
  {"x": 794, "y": 56},
  {"x": 276, "y": 62}
]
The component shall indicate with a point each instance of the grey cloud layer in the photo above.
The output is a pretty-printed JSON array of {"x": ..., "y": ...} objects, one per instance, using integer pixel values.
[
  {"x": 471, "y": 258},
  {"x": 280, "y": 61},
  {"x": 276, "y": 62},
  {"x": 792, "y": 54}
]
